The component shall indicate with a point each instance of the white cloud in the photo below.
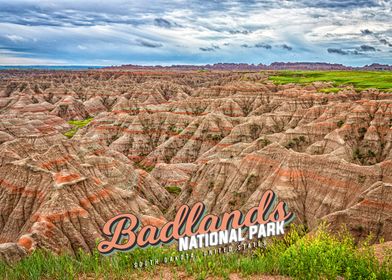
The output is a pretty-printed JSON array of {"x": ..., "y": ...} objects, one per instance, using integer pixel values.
[
  {"x": 130, "y": 32},
  {"x": 9, "y": 59},
  {"x": 81, "y": 47},
  {"x": 15, "y": 38}
]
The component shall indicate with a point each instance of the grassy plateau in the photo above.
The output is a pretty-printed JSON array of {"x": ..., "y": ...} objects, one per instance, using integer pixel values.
[
  {"x": 360, "y": 80},
  {"x": 320, "y": 255}
]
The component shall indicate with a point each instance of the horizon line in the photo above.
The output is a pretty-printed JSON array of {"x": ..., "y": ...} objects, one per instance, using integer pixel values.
[{"x": 188, "y": 64}]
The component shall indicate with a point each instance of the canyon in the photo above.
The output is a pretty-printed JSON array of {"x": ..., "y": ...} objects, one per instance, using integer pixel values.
[{"x": 151, "y": 140}]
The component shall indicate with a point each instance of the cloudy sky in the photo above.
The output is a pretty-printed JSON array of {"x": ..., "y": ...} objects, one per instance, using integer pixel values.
[{"x": 112, "y": 32}]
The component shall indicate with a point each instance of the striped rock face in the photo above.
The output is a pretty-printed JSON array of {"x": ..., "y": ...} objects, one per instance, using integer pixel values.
[
  {"x": 160, "y": 139},
  {"x": 60, "y": 199}
]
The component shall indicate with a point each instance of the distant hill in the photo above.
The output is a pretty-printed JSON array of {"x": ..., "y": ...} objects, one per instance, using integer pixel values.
[
  {"x": 216, "y": 67},
  {"x": 257, "y": 67},
  {"x": 48, "y": 67}
]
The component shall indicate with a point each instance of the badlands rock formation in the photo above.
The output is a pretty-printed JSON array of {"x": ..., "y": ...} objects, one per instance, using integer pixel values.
[{"x": 222, "y": 138}]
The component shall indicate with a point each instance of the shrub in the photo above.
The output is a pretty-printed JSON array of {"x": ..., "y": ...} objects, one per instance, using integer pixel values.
[
  {"x": 324, "y": 255},
  {"x": 361, "y": 132},
  {"x": 145, "y": 168},
  {"x": 370, "y": 153},
  {"x": 340, "y": 123},
  {"x": 290, "y": 144},
  {"x": 173, "y": 190},
  {"x": 320, "y": 255},
  {"x": 216, "y": 137},
  {"x": 172, "y": 128},
  {"x": 295, "y": 142},
  {"x": 357, "y": 154}
]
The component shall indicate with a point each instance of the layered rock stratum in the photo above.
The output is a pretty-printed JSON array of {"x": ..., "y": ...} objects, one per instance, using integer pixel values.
[{"x": 159, "y": 139}]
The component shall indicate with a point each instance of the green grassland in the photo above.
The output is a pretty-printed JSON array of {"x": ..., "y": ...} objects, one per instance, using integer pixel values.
[
  {"x": 321, "y": 255},
  {"x": 360, "y": 80},
  {"x": 76, "y": 125}
]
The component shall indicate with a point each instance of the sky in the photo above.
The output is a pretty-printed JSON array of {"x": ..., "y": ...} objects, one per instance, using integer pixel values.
[{"x": 151, "y": 32}]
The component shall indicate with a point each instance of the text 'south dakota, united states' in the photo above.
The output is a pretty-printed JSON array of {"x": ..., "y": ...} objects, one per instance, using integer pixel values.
[{"x": 193, "y": 229}]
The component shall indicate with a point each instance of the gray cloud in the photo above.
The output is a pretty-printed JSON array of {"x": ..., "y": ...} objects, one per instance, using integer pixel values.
[
  {"x": 245, "y": 32},
  {"x": 85, "y": 32},
  {"x": 367, "y": 48},
  {"x": 163, "y": 23},
  {"x": 366, "y": 32},
  {"x": 207, "y": 49},
  {"x": 286, "y": 47},
  {"x": 148, "y": 44},
  {"x": 337, "y": 51},
  {"x": 265, "y": 46},
  {"x": 340, "y": 4},
  {"x": 385, "y": 42},
  {"x": 377, "y": 36},
  {"x": 358, "y": 51},
  {"x": 46, "y": 17}
]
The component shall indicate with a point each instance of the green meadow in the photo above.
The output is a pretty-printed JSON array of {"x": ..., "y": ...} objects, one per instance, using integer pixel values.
[
  {"x": 360, "y": 80},
  {"x": 320, "y": 255},
  {"x": 76, "y": 125}
]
